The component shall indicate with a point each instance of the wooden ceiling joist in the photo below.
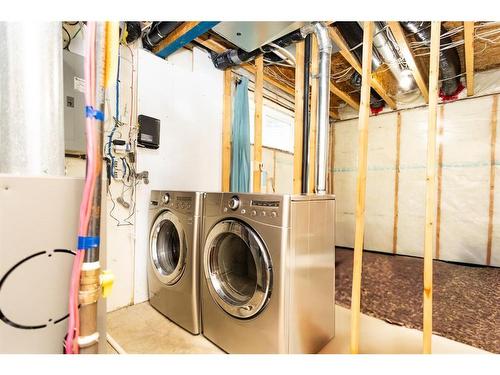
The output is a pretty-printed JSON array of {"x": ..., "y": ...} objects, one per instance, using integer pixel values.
[
  {"x": 418, "y": 74},
  {"x": 181, "y": 36},
  {"x": 469, "y": 56},
  {"x": 349, "y": 99},
  {"x": 338, "y": 39},
  {"x": 217, "y": 47}
]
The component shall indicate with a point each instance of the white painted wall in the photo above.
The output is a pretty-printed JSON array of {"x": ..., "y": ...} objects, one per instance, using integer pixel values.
[{"x": 185, "y": 93}]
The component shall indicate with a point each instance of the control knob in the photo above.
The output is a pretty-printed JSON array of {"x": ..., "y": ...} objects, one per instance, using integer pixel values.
[
  {"x": 166, "y": 198},
  {"x": 234, "y": 203}
]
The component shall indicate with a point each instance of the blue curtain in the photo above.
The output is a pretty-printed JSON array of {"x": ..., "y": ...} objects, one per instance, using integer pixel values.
[{"x": 240, "y": 150}]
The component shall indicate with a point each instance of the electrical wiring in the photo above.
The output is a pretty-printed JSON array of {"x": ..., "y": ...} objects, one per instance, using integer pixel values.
[
  {"x": 128, "y": 179},
  {"x": 71, "y": 344},
  {"x": 285, "y": 52},
  {"x": 343, "y": 75}
]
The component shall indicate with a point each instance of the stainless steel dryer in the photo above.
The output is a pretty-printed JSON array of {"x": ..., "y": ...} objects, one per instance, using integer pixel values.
[
  {"x": 268, "y": 272},
  {"x": 175, "y": 220}
]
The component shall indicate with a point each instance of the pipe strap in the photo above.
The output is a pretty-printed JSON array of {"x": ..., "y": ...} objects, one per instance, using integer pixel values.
[
  {"x": 85, "y": 243},
  {"x": 86, "y": 341}
]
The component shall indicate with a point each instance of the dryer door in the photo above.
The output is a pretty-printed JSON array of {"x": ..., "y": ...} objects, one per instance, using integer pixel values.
[
  {"x": 167, "y": 248},
  {"x": 237, "y": 268}
]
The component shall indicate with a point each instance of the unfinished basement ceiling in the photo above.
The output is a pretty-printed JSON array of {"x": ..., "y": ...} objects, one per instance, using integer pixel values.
[
  {"x": 486, "y": 56},
  {"x": 251, "y": 35}
]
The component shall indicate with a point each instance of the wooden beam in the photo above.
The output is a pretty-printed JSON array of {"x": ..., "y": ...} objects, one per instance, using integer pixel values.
[
  {"x": 349, "y": 99},
  {"x": 334, "y": 113},
  {"x": 364, "y": 113},
  {"x": 257, "y": 144},
  {"x": 226, "y": 131},
  {"x": 217, "y": 47},
  {"x": 211, "y": 45},
  {"x": 469, "y": 56},
  {"x": 430, "y": 197},
  {"x": 491, "y": 208},
  {"x": 339, "y": 40},
  {"x": 313, "y": 126},
  {"x": 299, "y": 117},
  {"x": 418, "y": 74},
  {"x": 396, "y": 185},
  {"x": 181, "y": 36}
]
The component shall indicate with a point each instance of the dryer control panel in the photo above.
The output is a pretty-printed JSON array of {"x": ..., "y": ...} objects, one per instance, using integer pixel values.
[{"x": 266, "y": 208}]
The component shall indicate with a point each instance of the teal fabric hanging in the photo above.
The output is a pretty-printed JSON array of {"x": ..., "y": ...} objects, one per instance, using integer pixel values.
[{"x": 240, "y": 149}]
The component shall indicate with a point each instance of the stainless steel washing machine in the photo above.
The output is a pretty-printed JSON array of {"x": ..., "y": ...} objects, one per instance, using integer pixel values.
[
  {"x": 173, "y": 268},
  {"x": 268, "y": 267}
]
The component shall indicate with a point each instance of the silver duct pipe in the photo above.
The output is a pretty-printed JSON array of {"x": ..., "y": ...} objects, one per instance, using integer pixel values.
[
  {"x": 31, "y": 98},
  {"x": 389, "y": 55},
  {"x": 325, "y": 53}
]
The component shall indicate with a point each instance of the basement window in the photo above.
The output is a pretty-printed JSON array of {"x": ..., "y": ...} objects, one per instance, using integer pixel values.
[{"x": 277, "y": 125}]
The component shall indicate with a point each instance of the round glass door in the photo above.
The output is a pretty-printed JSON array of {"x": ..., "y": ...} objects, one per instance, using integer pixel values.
[
  {"x": 167, "y": 248},
  {"x": 238, "y": 269}
]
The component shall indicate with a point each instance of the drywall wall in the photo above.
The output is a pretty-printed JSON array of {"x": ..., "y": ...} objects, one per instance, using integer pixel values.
[
  {"x": 464, "y": 143},
  {"x": 185, "y": 92}
]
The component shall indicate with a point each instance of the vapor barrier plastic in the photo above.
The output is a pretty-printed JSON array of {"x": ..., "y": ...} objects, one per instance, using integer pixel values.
[{"x": 464, "y": 200}]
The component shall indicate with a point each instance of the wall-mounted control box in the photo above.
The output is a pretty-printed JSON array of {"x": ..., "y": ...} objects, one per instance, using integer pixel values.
[{"x": 149, "y": 132}]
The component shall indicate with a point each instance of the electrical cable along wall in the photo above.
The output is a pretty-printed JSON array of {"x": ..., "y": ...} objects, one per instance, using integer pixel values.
[{"x": 86, "y": 277}]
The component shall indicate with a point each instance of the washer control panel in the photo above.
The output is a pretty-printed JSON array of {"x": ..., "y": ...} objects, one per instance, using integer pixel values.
[{"x": 173, "y": 200}]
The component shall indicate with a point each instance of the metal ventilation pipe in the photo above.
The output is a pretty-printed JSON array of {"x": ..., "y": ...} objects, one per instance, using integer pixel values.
[
  {"x": 234, "y": 57},
  {"x": 31, "y": 99},
  {"x": 449, "y": 60},
  {"x": 353, "y": 35},
  {"x": 325, "y": 53},
  {"x": 388, "y": 53}
]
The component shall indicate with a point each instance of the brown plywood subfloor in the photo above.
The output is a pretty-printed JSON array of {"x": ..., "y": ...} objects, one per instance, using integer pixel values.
[{"x": 466, "y": 305}]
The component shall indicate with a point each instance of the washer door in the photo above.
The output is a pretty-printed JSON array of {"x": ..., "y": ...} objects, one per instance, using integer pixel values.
[
  {"x": 237, "y": 268},
  {"x": 167, "y": 248}
]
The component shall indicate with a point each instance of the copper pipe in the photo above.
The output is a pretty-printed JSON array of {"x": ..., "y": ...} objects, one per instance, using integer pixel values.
[{"x": 90, "y": 285}]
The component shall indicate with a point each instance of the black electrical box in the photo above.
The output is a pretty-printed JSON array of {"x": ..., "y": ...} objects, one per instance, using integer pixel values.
[{"x": 149, "y": 132}]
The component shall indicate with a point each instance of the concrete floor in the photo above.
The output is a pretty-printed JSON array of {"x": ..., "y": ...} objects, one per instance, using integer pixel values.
[{"x": 140, "y": 329}]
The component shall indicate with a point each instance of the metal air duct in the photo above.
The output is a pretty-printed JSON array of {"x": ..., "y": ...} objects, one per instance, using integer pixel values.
[
  {"x": 353, "y": 35},
  {"x": 449, "y": 61},
  {"x": 325, "y": 54},
  {"x": 31, "y": 98},
  {"x": 389, "y": 54},
  {"x": 234, "y": 57}
]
